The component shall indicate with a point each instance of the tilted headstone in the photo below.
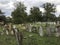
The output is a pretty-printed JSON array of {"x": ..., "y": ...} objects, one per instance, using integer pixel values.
[
  {"x": 40, "y": 31},
  {"x": 19, "y": 35}
]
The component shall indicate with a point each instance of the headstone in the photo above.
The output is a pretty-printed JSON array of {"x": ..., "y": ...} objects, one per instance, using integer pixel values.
[
  {"x": 40, "y": 31},
  {"x": 6, "y": 28},
  {"x": 58, "y": 22},
  {"x": 10, "y": 26},
  {"x": 34, "y": 29},
  {"x": 28, "y": 27},
  {"x": 19, "y": 35},
  {"x": 52, "y": 30},
  {"x": 58, "y": 32},
  {"x": 12, "y": 32},
  {"x": 7, "y": 32},
  {"x": 48, "y": 31}
]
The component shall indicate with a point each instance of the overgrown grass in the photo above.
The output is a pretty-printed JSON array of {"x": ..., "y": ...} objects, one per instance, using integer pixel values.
[
  {"x": 29, "y": 39},
  {"x": 7, "y": 40},
  {"x": 35, "y": 39}
]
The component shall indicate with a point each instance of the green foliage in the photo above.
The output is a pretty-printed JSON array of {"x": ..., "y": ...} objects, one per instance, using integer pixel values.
[
  {"x": 30, "y": 39},
  {"x": 7, "y": 40},
  {"x": 58, "y": 18},
  {"x": 35, "y": 14},
  {"x": 19, "y": 14},
  {"x": 2, "y": 17},
  {"x": 50, "y": 9},
  {"x": 8, "y": 19},
  {"x": 35, "y": 39}
]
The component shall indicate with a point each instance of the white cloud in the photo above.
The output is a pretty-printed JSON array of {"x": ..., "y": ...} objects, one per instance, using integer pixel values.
[
  {"x": 58, "y": 8},
  {"x": 7, "y": 5}
]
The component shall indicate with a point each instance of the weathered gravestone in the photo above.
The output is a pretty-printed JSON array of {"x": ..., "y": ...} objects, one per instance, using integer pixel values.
[
  {"x": 48, "y": 31},
  {"x": 58, "y": 31},
  {"x": 6, "y": 29},
  {"x": 34, "y": 29},
  {"x": 11, "y": 29},
  {"x": 19, "y": 35},
  {"x": 40, "y": 31},
  {"x": 29, "y": 27}
]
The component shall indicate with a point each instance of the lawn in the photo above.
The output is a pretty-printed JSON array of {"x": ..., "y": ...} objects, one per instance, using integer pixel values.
[{"x": 30, "y": 39}]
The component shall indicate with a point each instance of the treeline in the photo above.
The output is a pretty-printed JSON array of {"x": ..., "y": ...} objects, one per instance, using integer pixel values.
[{"x": 19, "y": 15}]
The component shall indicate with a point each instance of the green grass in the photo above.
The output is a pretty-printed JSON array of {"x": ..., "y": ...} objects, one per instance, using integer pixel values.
[
  {"x": 7, "y": 40},
  {"x": 35, "y": 39}
]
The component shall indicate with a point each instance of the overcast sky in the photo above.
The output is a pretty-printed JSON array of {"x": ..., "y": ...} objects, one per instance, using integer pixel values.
[{"x": 7, "y": 5}]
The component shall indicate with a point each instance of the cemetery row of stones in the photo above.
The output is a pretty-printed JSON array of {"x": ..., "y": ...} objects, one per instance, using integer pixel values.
[
  {"x": 48, "y": 29},
  {"x": 41, "y": 29}
]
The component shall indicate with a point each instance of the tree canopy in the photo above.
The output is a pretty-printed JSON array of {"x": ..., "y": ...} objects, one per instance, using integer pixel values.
[
  {"x": 49, "y": 14},
  {"x": 19, "y": 14},
  {"x": 35, "y": 14}
]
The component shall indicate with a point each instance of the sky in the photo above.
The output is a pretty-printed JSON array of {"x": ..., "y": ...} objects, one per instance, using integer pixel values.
[{"x": 7, "y": 6}]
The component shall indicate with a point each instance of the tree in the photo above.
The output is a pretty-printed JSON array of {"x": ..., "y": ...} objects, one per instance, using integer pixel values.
[
  {"x": 8, "y": 19},
  {"x": 19, "y": 14},
  {"x": 35, "y": 14},
  {"x": 2, "y": 17},
  {"x": 58, "y": 18},
  {"x": 50, "y": 9}
]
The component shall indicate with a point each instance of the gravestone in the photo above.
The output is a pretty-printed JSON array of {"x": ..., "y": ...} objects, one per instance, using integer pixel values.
[
  {"x": 57, "y": 34},
  {"x": 11, "y": 29},
  {"x": 29, "y": 27},
  {"x": 40, "y": 31},
  {"x": 6, "y": 29},
  {"x": 34, "y": 29},
  {"x": 58, "y": 31},
  {"x": 19, "y": 35},
  {"x": 48, "y": 31},
  {"x": 52, "y": 30}
]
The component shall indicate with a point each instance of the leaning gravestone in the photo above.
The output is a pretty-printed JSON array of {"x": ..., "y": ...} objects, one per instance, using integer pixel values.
[
  {"x": 19, "y": 35},
  {"x": 40, "y": 31}
]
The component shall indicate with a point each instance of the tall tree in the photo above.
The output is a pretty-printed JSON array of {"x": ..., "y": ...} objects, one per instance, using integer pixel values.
[
  {"x": 35, "y": 14},
  {"x": 9, "y": 19},
  {"x": 19, "y": 14},
  {"x": 2, "y": 17},
  {"x": 58, "y": 18},
  {"x": 50, "y": 9}
]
